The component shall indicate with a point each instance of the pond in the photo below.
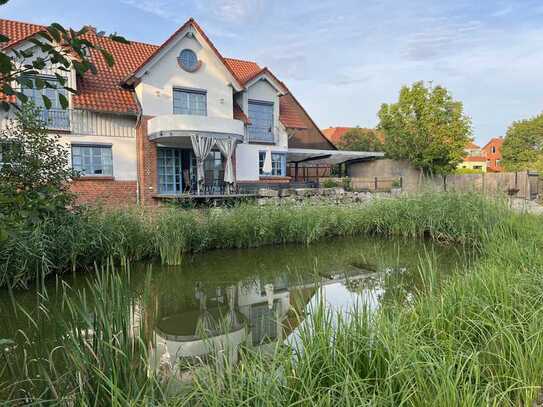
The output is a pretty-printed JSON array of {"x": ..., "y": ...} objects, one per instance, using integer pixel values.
[{"x": 257, "y": 298}]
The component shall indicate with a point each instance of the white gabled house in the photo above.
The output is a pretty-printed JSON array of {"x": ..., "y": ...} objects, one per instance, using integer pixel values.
[{"x": 176, "y": 119}]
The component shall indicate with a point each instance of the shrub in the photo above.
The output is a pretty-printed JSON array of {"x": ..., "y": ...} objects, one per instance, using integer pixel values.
[{"x": 329, "y": 183}]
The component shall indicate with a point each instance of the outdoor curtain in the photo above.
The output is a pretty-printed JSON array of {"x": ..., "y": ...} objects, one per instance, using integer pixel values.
[
  {"x": 202, "y": 146},
  {"x": 267, "y": 167},
  {"x": 227, "y": 147}
]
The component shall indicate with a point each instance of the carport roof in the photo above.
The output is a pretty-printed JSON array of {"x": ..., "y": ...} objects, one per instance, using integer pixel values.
[{"x": 331, "y": 157}]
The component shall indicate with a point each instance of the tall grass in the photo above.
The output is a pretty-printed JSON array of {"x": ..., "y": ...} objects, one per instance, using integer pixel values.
[
  {"x": 475, "y": 340},
  {"x": 478, "y": 340},
  {"x": 97, "y": 354},
  {"x": 80, "y": 240}
]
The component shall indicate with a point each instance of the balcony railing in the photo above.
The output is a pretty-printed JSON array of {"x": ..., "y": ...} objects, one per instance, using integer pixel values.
[
  {"x": 56, "y": 119},
  {"x": 84, "y": 122}
]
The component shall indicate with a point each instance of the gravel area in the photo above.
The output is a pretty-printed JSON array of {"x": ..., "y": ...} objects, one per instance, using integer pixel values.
[{"x": 522, "y": 205}]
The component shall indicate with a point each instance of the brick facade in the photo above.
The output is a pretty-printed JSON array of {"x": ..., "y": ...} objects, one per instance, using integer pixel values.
[
  {"x": 147, "y": 164},
  {"x": 493, "y": 153},
  {"x": 105, "y": 191}
]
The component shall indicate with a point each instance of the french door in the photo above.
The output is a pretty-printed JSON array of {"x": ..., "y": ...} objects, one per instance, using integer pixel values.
[{"x": 170, "y": 170}]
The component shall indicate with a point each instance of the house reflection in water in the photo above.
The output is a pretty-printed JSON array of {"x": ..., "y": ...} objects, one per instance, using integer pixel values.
[
  {"x": 248, "y": 314},
  {"x": 253, "y": 314}
]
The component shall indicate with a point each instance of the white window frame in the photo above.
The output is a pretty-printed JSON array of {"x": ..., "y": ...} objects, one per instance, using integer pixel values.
[
  {"x": 191, "y": 98},
  {"x": 80, "y": 166}
]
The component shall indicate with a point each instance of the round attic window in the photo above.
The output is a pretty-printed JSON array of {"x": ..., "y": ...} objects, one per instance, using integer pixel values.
[{"x": 188, "y": 60}]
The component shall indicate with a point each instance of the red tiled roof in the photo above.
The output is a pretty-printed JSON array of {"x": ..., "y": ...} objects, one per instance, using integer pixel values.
[
  {"x": 497, "y": 141},
  {"x": 475, "y": 159},
  {"x": 288, "y": 114},
  {"x": 334, "y": 134},
  {"x": 244, "y": 70},
  {"x": 17, "y": 31},
  {"x": 103, "y": 91},
  {"x": 472, "y": 146}
]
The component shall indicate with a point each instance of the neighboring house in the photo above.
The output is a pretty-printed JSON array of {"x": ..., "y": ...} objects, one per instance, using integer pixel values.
[
  {"x": 334, "y": 134},
  {"x": 474, "y": 159},
  {"x": 493, "y": 153},
  {"x": 175, "y": 118}
]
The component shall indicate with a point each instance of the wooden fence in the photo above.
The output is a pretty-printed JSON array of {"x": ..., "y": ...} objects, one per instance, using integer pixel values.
[{"x": 523, "y": 185}]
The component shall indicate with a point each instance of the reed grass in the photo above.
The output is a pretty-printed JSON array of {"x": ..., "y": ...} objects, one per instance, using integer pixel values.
[
  {"x": 78, "y": 241},
  {"x": 474, "y": 339},
  {"x": 96, "y": 354}
]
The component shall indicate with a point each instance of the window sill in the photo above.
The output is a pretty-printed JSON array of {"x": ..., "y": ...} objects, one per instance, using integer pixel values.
[{"x": 95, "y": 178}]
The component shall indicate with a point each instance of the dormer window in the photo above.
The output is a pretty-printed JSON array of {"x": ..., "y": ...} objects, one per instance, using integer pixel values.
[{"x": 188, "y": 60}]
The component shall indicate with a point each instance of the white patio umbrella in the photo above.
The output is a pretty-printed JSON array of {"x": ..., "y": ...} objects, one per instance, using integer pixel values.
[{"x": 267, "y": 167}]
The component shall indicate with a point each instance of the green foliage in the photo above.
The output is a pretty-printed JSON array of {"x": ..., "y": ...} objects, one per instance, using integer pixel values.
[
  {"x": 347, "y": 184},
  {"x": 359, "y": 139},
  {"x": 427, "y": 127},
  {"x": 76, "y": 241},
  {"x": 467, "y": 341},
  {"x": 34, "y": 173},
  {"x": 522, "y": 147},
  {"x": 329, "y": 183},
  {"x": 57, "y": 46},
  {"x": 99, "y": 356},
  {"x": 473, "y": 339}
]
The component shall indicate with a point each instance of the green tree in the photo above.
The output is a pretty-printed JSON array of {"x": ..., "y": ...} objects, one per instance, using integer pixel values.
[
  {"x": 34, "y": 169},
  {"x": 56, "y": 46},
  {"x": 359, "y": 139},
  {"x": 522, "y": 147},
  {"x": 427, "y": 127}
]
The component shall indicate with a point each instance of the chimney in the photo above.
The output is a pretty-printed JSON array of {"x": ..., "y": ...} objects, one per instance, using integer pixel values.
[{"x": 91, "y": 28}]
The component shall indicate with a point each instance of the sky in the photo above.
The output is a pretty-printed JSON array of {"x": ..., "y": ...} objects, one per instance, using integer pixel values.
[{"x": 343, "y": 59}]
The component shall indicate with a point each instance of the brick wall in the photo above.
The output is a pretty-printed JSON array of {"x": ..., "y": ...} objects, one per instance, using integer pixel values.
[
  {"x": 107, "y": 192},
  {"x": 147, "y": 166}
]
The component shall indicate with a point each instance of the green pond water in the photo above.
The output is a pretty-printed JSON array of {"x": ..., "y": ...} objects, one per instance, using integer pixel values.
[{"x": 255, "y": 297}]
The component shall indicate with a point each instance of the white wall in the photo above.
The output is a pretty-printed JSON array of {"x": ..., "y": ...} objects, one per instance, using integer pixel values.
[
  {"x": 155, "y": 88},
  {"x": 247, "y": 165},
  {"x": 123, "y": 152}
]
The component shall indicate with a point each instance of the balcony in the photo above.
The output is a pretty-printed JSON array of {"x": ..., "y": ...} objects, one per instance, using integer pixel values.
[
  {"x": 177, "y": 127},
  {"x": 56, "y": 119},
  {"x": 84, "y": 122}
]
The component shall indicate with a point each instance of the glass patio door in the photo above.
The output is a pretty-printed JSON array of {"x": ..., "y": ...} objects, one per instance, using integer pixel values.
[{"x": 170, "y": 171}]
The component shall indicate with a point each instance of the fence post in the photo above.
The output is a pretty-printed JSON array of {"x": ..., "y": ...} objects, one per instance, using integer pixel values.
[
  {"x": 444, "y": 183},
  {"x": 375, "y": 184},
  {"x": 401, "y": 183}
]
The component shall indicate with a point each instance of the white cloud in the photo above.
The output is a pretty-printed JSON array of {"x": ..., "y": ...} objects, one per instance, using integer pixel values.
[
  {"x": 234, "y": 11},
  {"x": 160, "y": 8}
]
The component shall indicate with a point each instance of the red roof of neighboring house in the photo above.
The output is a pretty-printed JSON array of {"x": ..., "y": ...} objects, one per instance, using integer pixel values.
[
  {"x": 334, "y": 134},
  {"x": 472, "y": 146},
  {"x": 497, "y": 141},
  {"x": 103, "y": 91},
  {"x": 475, "y": 159}
]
